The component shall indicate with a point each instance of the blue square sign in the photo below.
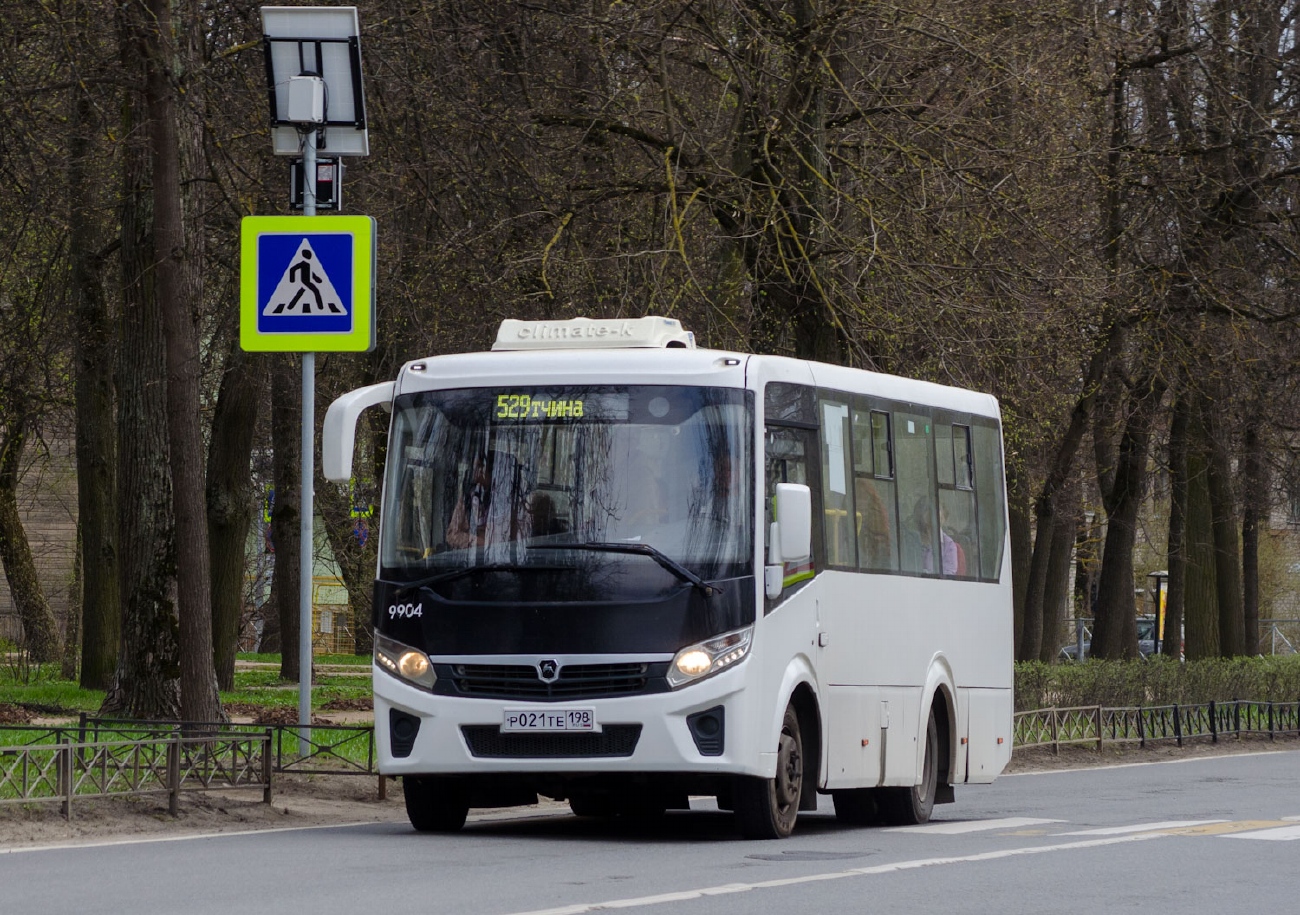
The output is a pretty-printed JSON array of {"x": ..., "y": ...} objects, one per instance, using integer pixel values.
[{"x": 306, "y": 284}]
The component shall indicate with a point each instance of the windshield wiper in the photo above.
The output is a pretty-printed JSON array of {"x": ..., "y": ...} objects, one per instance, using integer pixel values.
[
  {"x": 640, "y": 549},
  {"x": 453, "y": 574}
]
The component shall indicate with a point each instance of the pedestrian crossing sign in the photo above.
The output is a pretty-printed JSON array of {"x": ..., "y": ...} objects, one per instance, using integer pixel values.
[{"x": 306, "y": 284}]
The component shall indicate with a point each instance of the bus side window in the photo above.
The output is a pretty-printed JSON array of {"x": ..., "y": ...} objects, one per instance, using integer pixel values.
[
  {"x": 786, "y": 461},
  {"x": 918, "y": 512},
  {"x": 957, "y": 516},
  {"x": 989, "y": 493},
  {"x": 837, "y": 500},
  {"x": 874, "y": 496}
]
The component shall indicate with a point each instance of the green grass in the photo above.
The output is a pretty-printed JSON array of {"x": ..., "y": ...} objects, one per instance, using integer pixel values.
[
  {"x": 333, "y": 660},
  {"x": 64, "y": 695},
  {"x": 40, "y": 688},
  {"x": 265, "y": 688}
]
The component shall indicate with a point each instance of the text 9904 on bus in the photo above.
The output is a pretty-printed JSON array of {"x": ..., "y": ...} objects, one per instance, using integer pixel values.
[{"x": 620, "y": 570}]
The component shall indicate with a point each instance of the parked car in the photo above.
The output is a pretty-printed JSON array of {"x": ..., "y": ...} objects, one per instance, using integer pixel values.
[{"x": 1146, "y": 626}]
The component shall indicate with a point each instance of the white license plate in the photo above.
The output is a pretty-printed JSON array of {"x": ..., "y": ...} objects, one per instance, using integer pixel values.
[{"x": 549, "y": 719}]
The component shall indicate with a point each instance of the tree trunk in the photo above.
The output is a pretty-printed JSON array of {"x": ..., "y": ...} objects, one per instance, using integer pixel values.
[
  {"x": 40, "y": 631},
  {"x": 146, "y": 684},
  {"x": 1227, "y": 558},
  {"x": 1021, "y": 546},
  {"x": 1087, "y": 565},
  {"x": 1254, "y": 511},
  {"x": 72, "y": 628},
  {"x": 1114, "y": 633},
  {"x": 1177, "y": 552},
  {"x": 1059, "y": 471},
  {"x": 286, "y": 470},
  {"x": 178, "y": 298},
  {"x": 1201, "y": 608},
  {"x": 1056, "y": 591},
  {"x": 230, "y": 501},
  {"x": 94, "y": 342}
]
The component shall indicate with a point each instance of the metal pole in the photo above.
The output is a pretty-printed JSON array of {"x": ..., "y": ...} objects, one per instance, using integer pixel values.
[{"x": 307, "y": 520}]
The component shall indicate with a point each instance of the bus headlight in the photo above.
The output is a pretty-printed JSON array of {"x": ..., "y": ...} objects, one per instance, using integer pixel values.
[
  {"x": 404, "y": 662},
  {"x": 703, "y": 659}
]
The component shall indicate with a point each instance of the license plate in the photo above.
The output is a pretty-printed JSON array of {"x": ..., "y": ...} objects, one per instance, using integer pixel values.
[{"x": 551, "y": 719}]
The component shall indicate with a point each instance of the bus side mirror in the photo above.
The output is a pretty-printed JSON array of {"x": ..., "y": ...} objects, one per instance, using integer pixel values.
[
  {"x": 794, "y": 513},
  {"x": 339, "y": 435},
  {"x": 791, "y": 534}
]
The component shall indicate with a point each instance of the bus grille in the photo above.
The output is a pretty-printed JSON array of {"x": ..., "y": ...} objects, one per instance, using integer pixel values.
[
  {"x": 486, "y": 740},
  {"x": 576, "y": 681}
]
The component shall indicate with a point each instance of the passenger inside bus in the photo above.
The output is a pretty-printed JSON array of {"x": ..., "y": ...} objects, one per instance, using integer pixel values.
[
  {"x": 954, "y": 556},
  {"x": 919, "y": 542},
  {"x": 874, "y": 536}
]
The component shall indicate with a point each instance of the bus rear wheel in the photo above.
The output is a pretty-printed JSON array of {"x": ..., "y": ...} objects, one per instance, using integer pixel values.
[
  {"x": 766, "y": 808},
  {"x": 912, "y": 806},
  {"x": 434, "y": 804}
]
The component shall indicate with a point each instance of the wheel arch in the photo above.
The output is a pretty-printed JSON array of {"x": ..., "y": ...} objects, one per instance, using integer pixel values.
[
  {"x": 940, "y": 695},
  {"x": 800, "y": 691}
]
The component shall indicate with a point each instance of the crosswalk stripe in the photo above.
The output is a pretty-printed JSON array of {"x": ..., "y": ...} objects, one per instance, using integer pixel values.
[
  {"x": 1142, "y": 827},
  {"x": 1222, "y": 828},
  {"x": 964, "y": 826},
  {"x": 1278, "y": 834}
]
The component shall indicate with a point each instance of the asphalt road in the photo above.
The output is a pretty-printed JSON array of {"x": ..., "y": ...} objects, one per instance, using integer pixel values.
[{"x": 1214, "y": 834}]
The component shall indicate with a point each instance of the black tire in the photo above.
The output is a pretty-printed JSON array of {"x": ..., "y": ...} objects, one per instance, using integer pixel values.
[
  {"x": 856, "y": 806},
  {"x": 912, "y": 806},
  {"x": 434, "y": 804},
  {"x": 766, "y": 808}
]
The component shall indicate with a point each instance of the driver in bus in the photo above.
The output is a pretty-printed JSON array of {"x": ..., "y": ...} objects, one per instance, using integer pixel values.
[{"x": 484, "y": 515}]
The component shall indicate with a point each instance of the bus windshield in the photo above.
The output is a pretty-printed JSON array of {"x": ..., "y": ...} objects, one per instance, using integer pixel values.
[{"x": 594, "y": 478}]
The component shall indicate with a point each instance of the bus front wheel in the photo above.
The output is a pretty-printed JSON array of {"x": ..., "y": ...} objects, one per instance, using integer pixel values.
[
  {"x": 766, "y": 808},
  {"x": 434, "y": 804}
]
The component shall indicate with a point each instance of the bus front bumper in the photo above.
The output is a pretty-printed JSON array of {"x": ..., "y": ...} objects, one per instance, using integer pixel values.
[{"x": 418, "y": 733}]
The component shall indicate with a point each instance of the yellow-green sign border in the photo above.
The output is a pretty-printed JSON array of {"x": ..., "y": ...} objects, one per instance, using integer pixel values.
[{"x": 361, "y": 338}]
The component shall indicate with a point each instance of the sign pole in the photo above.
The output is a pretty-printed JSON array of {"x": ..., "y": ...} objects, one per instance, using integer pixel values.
[
  {"x": 307, "y": 522},
  {"x": 313, "y": 74}
]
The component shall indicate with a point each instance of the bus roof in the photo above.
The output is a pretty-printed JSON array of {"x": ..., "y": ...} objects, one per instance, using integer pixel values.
[{"x": 653, "y": 350}]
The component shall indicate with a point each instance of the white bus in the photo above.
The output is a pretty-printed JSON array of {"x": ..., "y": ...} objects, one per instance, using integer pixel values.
[{"x": 621, "y": 570}]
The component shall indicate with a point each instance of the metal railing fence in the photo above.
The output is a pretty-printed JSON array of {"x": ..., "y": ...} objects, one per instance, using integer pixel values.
[
  {"x": 329, "y": 749},
  {"x": 65, "y": 770},
  {"x": 101, "y": 757},
  {"x": 1055, "y": 727}
]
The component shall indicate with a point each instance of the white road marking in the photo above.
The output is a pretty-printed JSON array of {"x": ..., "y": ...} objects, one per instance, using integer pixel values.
[
  {"x": 728, "y": 888},
  {"x": 964, "y": 826},
  {"x": 1277, "y": 834},
  {"x": 1142, "y": 827},
  {"x": 144, "y": 840}
]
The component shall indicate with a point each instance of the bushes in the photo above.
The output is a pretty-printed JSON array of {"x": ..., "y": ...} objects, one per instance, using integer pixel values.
[{"x": 1158, "y": 681}]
